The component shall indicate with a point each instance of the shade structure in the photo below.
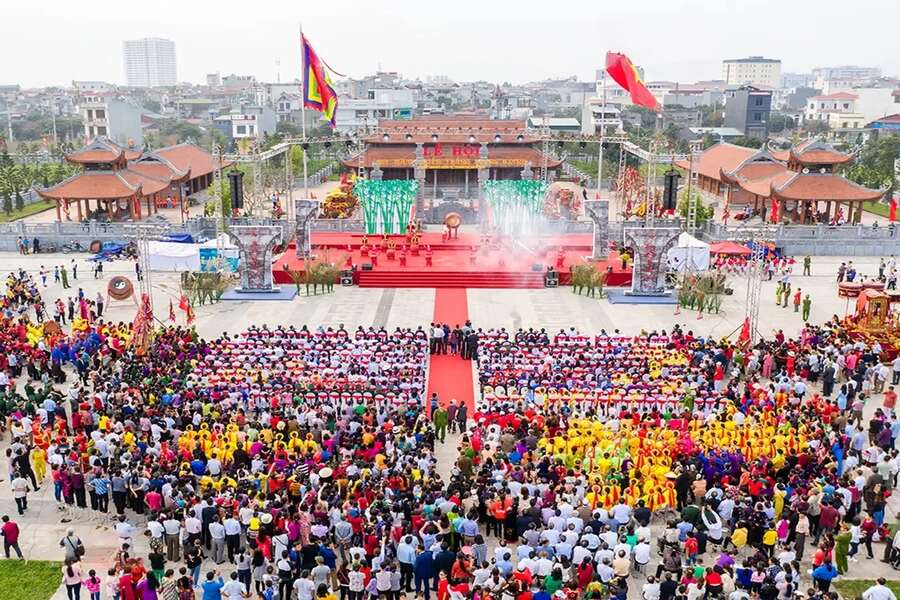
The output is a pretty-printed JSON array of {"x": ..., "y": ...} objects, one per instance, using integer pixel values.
[{"x": 729, "y": 248}]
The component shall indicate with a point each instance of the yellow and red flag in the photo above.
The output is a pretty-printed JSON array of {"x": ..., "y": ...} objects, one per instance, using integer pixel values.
[
  {"x": 318, "y": 93},
  {"x": 623, "y": 72}
]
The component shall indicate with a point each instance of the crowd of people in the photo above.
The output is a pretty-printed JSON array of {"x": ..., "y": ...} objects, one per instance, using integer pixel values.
[{"x": 301, "y": 463}]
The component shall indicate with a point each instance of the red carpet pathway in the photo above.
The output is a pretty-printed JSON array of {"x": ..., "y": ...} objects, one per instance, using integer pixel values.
[{"x": 450, "y": 376}]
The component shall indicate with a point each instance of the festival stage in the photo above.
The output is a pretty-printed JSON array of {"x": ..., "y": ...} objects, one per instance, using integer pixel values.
[{"x": 505, "y": 263}]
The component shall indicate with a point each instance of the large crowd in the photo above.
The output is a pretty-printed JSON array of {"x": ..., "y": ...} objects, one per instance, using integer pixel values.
[{"x": 300, "y": 463}]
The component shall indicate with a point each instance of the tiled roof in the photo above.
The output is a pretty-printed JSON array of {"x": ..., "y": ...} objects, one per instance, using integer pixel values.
[
  {"x": 108, "y": 185},
  {"x": 406, "y": 153},
  {"x": 718, "y": 158},
  {"x": 836, "y": 96},
  {"x": 189, "y": 157},
  {"x": 823, "y": 186},
  {"x": 815, "y": 152}
]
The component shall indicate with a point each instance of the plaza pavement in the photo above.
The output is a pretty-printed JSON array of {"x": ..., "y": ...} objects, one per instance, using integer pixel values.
[{"x": 41, "y": 527}]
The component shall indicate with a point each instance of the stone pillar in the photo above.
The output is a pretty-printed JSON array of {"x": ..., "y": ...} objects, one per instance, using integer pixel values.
[
  {"x": 526, "y": 173},
  {"x": 598, "y": 211},
  {"x": 650, "y": 245},
  {"x": 419, "y": 175},
  {"x": 255, "y": 243},
  {"x": 305, "y": 210}
]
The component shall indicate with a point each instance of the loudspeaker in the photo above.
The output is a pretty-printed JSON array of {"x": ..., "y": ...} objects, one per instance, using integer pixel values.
[
  {"x": 367, "y": 266},
  {"x": 346, "y": 281},
  {"x": 537, "y": 268},
  {"x": 670, "y": 191},
  {"x": 551, "y": 279},
  {"x": 347, "y": 273},
  {"x": 236, "y": 181}
]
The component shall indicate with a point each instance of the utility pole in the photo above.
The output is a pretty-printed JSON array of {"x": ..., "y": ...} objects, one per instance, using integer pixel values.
[{"x": 53, "y": 117}]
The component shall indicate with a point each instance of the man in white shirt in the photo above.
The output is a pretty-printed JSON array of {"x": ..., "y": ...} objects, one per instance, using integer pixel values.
[
  {"x": 879, "y": 591},
  {"x": 172, "y": 534},
  {"x": 650, "y": 590},
  {"x": 125, "y": 531},
  {"x": 305, "y": 588},
  {"x": 234, "y": 589},
  {"x": 232, "y": 536},
  {"x": 217, "y": 538}
]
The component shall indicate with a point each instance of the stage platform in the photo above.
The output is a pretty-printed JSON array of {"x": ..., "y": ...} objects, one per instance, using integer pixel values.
[{"x": 500, "y": 264}]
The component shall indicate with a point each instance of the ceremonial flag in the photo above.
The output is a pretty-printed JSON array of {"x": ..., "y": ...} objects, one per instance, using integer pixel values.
[
  {"x": 171, "y": 311},
  {"x": 318, "y": 93},
  {"x": 185, "y": 305},
  {"x": 893, "y": 213},
  {"x": 745, "y": 331},
  {"x": 623, "y": 72},
  {"x": 773, "y": 216}
]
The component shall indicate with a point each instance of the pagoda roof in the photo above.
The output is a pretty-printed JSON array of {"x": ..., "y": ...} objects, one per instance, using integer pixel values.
[
  {"x": 102, "y": 150},
  {"x": 823, "y": 186},
  {"x": 190, "y": 158},
  {"x": 454, "y": 129},
  {"x": 817, "y": 152},
  {"x": 102, "y": 185},
  {"x": 718, "y": 158},
  {"x": 402, "y": 156}
]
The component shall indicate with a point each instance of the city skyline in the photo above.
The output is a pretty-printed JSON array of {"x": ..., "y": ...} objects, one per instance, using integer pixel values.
[{"x": 681, "y": 40}]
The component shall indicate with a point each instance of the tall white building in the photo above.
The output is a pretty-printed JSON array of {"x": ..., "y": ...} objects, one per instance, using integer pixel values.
[
  {"x": 755, "y": 70},
  {"x": 149, "y": 62}
]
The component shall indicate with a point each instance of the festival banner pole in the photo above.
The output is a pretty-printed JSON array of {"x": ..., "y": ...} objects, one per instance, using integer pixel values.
[{"x": 304, "y": 72}]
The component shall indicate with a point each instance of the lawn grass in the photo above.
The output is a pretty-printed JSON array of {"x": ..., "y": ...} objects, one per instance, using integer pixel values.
[
  {"x": 878, "y": 208},
  {"x": 27, "y": 210},
  {"x": 853, "y": 588},
  {"x": 32, "y": 580}
]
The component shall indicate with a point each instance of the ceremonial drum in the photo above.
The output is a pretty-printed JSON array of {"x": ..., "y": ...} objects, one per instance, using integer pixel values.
[{"x": 453, "y": 221}]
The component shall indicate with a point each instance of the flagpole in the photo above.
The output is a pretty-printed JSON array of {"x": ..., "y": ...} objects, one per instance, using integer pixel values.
[
  {"x": 602, "y": 138},
  {"x": 304, "y": 71}
]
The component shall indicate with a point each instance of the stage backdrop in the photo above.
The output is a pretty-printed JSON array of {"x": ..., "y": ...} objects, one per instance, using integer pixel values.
[{"x": 387, "y": 204}]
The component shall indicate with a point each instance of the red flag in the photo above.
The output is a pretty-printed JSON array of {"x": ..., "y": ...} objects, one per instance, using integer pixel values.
[
  {"x": 623, "y": 72},
  {"x": 171, "y": 311},
  {"x": 773, "y": 216},
  {"x": 185, "y": 305},
  {"x": 893, "y": 214}
]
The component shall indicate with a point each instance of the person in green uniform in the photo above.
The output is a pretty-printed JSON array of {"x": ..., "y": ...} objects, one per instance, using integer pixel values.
[
  {"x": 778, "y": 291},
  {"x": 807, "y": 303},
  {"x": 807, "y": 265},
  {"x": 440, "y": 419},
  {"x": 842, "y": 548},
  {"x": 65, "y": 277}
]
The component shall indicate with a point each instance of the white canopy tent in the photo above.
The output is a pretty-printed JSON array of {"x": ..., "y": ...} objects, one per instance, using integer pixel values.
[
  {"x": 690, "y": 254},
  {"x": 172, "y": 256}
]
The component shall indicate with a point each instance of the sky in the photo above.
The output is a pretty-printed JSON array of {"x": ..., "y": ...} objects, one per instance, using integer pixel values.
[{"x": 52, "y": 42}]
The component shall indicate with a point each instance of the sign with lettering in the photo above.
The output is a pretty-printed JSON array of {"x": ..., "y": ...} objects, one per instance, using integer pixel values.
[{"x": 454, "y": 163}]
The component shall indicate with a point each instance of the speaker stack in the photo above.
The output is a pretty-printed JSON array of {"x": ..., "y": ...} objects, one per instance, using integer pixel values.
[
  {"x": 347, "y": 277},
  {"x": 551, "y": 279}
]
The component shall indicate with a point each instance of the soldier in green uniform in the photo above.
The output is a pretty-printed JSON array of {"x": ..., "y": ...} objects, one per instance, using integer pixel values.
[{"x": 440, "y": 419}]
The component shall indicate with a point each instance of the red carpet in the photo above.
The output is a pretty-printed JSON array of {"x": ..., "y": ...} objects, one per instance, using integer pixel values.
[
  {"x": 449, "y": 376},
  {"x": 499, "y": 264}
]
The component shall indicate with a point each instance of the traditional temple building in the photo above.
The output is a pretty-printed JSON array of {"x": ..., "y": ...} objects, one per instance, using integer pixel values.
[
  {"x": 801, "y": 183},
  {"x": 449, "y": 154},
  {"x": 129, "y": 184}
]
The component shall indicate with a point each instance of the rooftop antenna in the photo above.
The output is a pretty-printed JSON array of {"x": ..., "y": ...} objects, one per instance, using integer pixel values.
[{"x": 277, "y": 70}]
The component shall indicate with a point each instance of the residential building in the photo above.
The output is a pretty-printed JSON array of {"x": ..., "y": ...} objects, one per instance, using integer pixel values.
[
  {"x": 150, "y": 62},
  {"x": 247, "y": 122},
  {"x": 875, "y": 102},
  {"x": 838, "y": 111},
  {"x": 791, "y": 81},
  {"x": 238, "y": 82},
  {"x": 681, "y": 117},
  {"x": 850, "y": 75},
  {"x": 93, "y": 86},
  {"x": 555, "y": 124},
  {"x": 747, "y": 109},
  {"x": 114, "y": 118},
  {"x": 379, "y": 104},
  {"x": 597, "y": 117},
  {"x": 753, "y": 70},
  {"x": 692, "y": 96},
  {"x": 889, "y": 125},
  {"x": 213, "y": 79}
]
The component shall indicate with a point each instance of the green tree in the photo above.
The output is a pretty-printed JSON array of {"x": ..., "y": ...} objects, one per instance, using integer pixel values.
[
  {"x": 20, "y": 202},
  {"x": 778, "y": 122},
  {"x": 875, "y": 166},
  {"x": 152, "y": 105},
  {"x": 747, "y": 142},
  {"x": 7, "y": 203},
  {"x": 704, "y": 213}
]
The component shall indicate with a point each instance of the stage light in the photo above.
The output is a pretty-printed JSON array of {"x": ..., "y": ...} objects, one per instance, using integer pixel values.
[
  {"x": 434, "y": 137},
  {"x": 386, "y": 137},
  {"x": 348, "y": 143},
  {"x": 560, "y": 145},
  {"x": 305, "y": 146},
  {"x": 408, "y": 137},
  {"x": 328, "y": 144},
  {"x": 472, "y": 139},
  {"x": 497, "y": 139},
  {"x": 582, "y": 145},
  {"x": 520, "y": 138}
]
